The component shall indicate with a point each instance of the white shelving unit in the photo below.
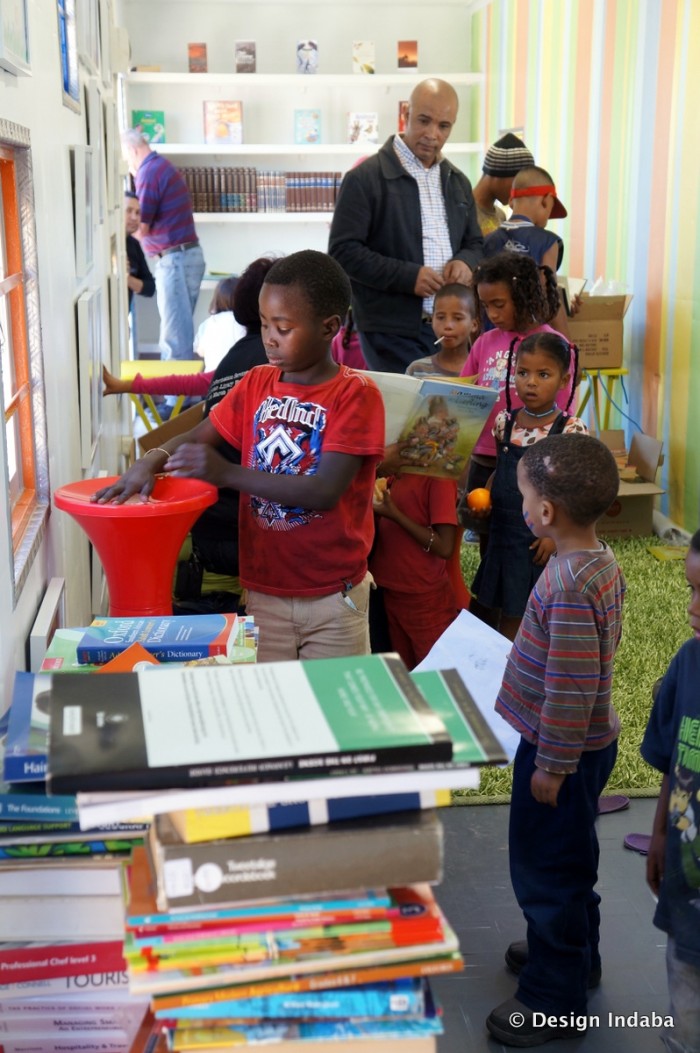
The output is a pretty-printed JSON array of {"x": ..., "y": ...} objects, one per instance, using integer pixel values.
[{"x": 268, "y": 102}]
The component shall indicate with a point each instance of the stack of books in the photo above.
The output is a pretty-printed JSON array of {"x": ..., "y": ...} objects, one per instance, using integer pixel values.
[
  {"x": 63, "y": 976},
  {"x": 299, "y": 910},
  {"x": 62, "y": 968}
]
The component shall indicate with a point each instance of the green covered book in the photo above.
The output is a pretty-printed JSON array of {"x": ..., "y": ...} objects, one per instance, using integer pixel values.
[{"x": 211, "y": 726}]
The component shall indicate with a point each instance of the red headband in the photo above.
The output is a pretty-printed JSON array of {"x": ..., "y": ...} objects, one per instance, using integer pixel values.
[{"x": 558, "y": 211}]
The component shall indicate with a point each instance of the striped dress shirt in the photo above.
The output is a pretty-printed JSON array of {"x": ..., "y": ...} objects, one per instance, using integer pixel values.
[{"x": 437, "y": 247}]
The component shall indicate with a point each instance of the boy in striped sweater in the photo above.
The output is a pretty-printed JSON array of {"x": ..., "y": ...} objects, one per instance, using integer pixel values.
[{"x": 556, "y": 693}]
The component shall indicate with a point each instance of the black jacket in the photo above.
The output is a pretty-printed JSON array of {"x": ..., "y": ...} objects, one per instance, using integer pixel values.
[{"x": 376, "y": 236}]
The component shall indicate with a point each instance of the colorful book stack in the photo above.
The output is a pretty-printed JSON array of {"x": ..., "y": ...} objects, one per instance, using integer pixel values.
[{"x": 323, "y": 925}]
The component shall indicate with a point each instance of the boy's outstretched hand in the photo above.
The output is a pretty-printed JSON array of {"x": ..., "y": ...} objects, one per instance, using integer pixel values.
[
  {"x": 139, "y": 479},
  {"x": 545, "y": 786}
]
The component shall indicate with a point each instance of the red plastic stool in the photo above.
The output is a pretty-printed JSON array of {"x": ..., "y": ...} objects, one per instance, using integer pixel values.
[{"x": 138, "y": 542}]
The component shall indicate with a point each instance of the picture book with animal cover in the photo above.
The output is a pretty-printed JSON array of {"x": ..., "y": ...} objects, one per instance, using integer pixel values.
[
  {"x": 214, "y": 725},
  {"x": 432, "y": 424},
  {"x": 151, "y": 124},
  {"x": 363, "y": 127}
]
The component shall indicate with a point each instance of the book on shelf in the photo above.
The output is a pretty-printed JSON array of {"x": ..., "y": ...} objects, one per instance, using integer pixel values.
[
  {"x": 434, "y": 423},
  {"x": 363, "y": 127},
  {"x": 151, "y": 124},
  {"x": 197, "y": 58},
  {"x": 244, "y": 56},
  {"x": 404, "y": 105},
  {"x": 223, "y": 122},
  {"x": 363, "y": 56},
  {"x": 169, "y": 638},
  {"x": 361, "y": 714},
  {"x": 307, "y": 126},
  {"x": 407, "y": 54},
  {"x": 307, "y": 56},
  {"x": 160, "y": 1043},
  {"x": 363, "y": 853}
]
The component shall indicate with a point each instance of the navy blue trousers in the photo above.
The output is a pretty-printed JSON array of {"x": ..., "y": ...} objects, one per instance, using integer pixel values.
[
  {"x": 554, "y": 869},
  {"x": 390, "y": 353}
]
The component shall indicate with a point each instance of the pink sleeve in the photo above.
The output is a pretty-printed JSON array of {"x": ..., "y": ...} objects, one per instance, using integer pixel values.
[
  {"x": 174, "y": 384},
  {"x": 471, "y": 366}
]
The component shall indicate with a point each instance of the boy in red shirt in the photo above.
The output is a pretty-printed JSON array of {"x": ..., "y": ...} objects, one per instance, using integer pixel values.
[{"x": 310, "y": 433}]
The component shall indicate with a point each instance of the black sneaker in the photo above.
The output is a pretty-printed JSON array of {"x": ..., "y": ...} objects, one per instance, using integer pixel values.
[
  {"x": 515, "y": 1024},
  {"x": 516, "y": 958}
]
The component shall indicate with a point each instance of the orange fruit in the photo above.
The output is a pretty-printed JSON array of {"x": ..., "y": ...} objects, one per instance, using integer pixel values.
[{"x": 479, "y": 500}]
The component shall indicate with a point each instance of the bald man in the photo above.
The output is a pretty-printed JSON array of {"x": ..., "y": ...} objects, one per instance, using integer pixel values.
[{"x": 404, "y": 224}]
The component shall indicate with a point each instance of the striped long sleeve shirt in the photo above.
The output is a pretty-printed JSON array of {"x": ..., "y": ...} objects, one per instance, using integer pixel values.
[{"x": 557, "y": 683}]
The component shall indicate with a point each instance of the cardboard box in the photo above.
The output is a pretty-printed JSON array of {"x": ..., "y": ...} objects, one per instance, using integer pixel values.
[
  {"x": 630, "y": 515},
  {"x": 597, "y": 330},
  {"x": 175, "y": 426}
]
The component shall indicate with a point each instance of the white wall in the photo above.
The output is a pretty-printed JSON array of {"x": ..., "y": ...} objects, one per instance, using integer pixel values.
[{"x": 35, "y": 102}]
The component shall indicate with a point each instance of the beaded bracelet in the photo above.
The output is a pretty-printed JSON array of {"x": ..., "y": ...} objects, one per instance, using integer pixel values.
[{"x": 428, "y": 547}]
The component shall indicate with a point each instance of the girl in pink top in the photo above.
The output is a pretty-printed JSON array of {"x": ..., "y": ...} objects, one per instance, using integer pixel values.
[{"x": 518, "y": 298}]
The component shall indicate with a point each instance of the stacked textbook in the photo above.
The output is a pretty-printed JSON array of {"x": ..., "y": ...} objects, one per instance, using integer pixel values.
[
  {"x": 63, "y": 980},
  {"x": 284, "y": 894}
]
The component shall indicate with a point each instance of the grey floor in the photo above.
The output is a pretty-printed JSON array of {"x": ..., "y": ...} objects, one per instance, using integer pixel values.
[{"x": 477, "y": 898}]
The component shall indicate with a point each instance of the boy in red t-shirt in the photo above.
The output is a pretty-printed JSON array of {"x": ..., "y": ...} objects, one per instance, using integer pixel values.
[{"x": 310, "y": 433}]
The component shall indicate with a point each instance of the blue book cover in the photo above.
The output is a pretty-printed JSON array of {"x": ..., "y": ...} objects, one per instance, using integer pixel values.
[
  {"x": 168, "y": 638},
  {"x": 396, "y": 999},
  {"x": 32, "y": 804},
  {"x": 28, "y": 729}
]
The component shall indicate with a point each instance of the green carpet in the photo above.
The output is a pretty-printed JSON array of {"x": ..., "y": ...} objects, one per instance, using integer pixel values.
[{"x": 655, "y": 624}]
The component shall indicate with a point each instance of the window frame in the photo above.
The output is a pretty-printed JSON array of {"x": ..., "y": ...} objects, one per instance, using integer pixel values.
[{"x": 27, "y": 512}]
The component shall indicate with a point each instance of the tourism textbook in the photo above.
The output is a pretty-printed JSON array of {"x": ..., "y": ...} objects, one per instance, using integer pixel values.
[
  {"x": 169, "y": 638},
  {"x": 433, "y": 422},
  {"x": 246, "y": 722},
  {"x": 365, "y": 853}
]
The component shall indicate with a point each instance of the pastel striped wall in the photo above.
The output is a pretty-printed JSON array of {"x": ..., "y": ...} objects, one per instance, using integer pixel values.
[{"x": 606, "y": 91}]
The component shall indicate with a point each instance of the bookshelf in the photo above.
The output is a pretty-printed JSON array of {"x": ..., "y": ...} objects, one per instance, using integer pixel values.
[{"x": 269, "y": 101}]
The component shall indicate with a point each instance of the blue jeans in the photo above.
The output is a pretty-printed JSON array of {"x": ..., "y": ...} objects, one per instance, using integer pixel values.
[
  {"x": 684, "y": 991},
  {"x": 390, "y": 353},
  {"x": 554, "y": 869},
  {"x": 178, "y": 277}
]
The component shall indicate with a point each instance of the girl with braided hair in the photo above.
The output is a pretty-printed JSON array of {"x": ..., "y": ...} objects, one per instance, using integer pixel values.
[
  {"x": 519, "y": 298},
  {"x": 540, "y": 367}
]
